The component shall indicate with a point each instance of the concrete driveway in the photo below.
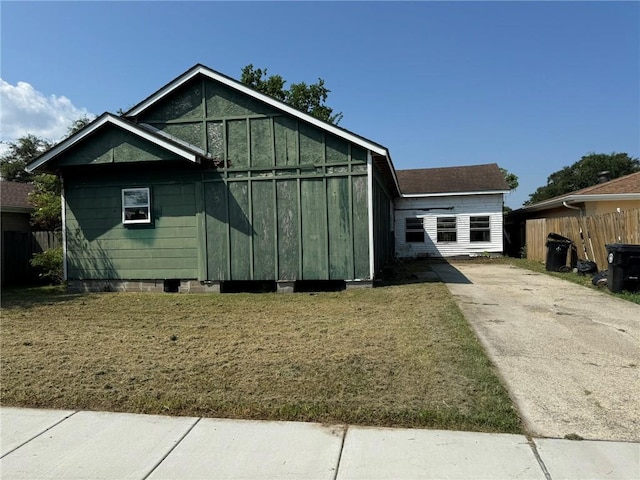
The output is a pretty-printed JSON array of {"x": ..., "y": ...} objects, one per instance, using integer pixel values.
[{"x": 569, "y": 355}]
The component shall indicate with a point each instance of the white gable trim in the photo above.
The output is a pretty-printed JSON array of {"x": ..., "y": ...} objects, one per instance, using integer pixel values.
[
  {"x": 202, "y": 70},
  {"x": 108, "y": 118}
]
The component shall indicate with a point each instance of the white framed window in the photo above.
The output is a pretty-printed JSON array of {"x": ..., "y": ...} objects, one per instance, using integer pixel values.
[
  {"x": 479, "y": 229},
  {"x": 447, "y": 231},
  {"x": 413, "y": 230},
  {"x": 136, "y": 205}
]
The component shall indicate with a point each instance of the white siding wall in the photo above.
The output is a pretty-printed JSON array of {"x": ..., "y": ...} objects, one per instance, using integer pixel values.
[{"x": 464, "y": 207}]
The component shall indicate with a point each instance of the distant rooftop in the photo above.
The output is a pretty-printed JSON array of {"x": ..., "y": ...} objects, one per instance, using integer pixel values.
[
  {"x": 472, "y": 178},
  {"x": 15, "y": 195}
]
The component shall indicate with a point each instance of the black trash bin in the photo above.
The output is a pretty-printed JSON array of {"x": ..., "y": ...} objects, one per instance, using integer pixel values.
[
  {"x": 624, "y": 267},
  {"x": 557, "y": 252}
]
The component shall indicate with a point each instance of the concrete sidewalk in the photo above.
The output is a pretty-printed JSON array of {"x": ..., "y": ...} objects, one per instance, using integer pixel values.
[{"x": 56, "y": 444}]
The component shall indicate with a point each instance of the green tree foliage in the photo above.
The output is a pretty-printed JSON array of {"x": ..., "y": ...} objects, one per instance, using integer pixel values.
[
  {"x": 511, "y": 178},
  {"x": 20, "y": 153},
  {"x": 307, "y": 98},
  {"x": 78, "y": 125},
  {"x": 45, "y": 198},
  {"x": 584, "y": 173},
  {"x": 50, "y": 264}
]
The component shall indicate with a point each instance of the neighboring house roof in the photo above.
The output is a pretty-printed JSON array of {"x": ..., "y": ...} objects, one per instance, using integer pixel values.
[
  {"x": 180, "y": 148},
  {"x": 452, "y": 180},
  {"x": 621, "y": 188},
  {"x": 14, "y": 197}
]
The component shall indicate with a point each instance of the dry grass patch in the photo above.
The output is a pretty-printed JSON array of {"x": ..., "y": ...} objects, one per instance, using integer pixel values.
[{"x": 397, "y": 356}]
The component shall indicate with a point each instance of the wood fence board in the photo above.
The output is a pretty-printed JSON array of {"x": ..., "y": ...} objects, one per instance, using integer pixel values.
[{"x": 590, "y": 234}]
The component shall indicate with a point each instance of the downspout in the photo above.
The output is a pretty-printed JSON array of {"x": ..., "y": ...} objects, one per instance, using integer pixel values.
[
  {"x": 372, "y": 261},
  {"x": 64, "y": 230},
  {"x": 565, "y": 204}
]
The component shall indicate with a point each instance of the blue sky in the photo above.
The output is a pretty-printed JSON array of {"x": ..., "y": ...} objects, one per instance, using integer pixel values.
[{"x": 532, "y": 86}]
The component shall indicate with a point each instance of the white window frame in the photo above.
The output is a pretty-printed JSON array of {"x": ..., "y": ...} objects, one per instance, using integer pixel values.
[
  {"x": 147, "y": 206},
  {"x": 477, "y": 219},
  {"x": 453, "y": 230}
]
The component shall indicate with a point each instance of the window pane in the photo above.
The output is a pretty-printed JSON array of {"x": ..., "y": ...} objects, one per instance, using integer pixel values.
[
  {"x": 138, "y": 197},
  {"x": 446, "y": 236},
  {"x": 136, "y": 213},
  {"x": 480, "y": 230},
  {"x": 414, "y": 230},
  {"x": 447, "y": 229},
  {"x": 480, "y": 236}
]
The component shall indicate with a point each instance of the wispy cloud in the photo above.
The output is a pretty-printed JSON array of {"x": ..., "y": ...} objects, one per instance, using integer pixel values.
[{"x": 24, "y": 110}]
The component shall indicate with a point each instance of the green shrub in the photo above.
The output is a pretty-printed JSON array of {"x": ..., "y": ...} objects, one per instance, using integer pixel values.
[{"x": 49, "y": 263}]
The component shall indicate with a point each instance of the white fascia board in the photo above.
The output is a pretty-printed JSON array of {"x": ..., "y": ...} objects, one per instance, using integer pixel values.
[
  {"x": 573, "y": 199},
  {"x": 380, "y": 150},
  {"x": 108, "y": 118},
  {"x": 452, "y": 194}
]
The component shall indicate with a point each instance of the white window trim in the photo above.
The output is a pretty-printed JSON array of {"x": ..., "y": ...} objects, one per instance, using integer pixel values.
[
  {"x": 477, "y": 229},
  {"x": 148, "y": 206}
]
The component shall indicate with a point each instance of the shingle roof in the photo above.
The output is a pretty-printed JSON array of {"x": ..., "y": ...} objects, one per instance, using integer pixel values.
[
  {"x": 472, "y": 178},
  {"x": 627, "y": 184},
  {"x": 621, "y": 188},
  {"x": 15, "y": 194}
]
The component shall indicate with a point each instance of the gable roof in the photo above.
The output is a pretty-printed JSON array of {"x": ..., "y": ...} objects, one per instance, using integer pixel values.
[
  {"x": 621, "y": 188},
  {"x": 380, "y": 154},
  {"x": 464, "y": 180},
  {"x": 241, "y": 87},
  {"x": 382, "y": 158},
  {"x": 14, "y": 197},
  {"x": 174, "y": 145}
]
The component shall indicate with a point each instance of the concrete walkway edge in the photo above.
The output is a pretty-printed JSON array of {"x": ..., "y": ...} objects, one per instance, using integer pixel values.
[{"x": 51, "y": 444}]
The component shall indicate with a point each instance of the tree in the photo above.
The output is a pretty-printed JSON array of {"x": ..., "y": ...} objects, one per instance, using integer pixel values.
[
  {"x": 307, "y": 98},
  {"x": 511, "y": 178},
  {"x": 20, "y": 153},
  {"x": 45, "y": 198},
  {"x": 78, "y": 125},
  {"x": 585, "y": 173}
]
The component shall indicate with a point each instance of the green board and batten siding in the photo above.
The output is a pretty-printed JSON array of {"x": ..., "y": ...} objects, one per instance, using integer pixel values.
[{"x": 289, "y": 204}]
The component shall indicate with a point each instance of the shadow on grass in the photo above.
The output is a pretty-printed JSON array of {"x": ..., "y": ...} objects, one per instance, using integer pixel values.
[
  {"x": 420, "y": 270},
  {"x": 28, "y": 297}
]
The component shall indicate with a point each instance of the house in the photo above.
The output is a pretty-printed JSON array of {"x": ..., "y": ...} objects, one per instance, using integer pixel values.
[
  {"x": 622, "y": 193},
  {"x": 607, "y": 197},
  {"x": 15, "y": 212},
  {"x": 15, "y": 209},
  {"x": 447, "y": 212},
  {"x": 209, "y": 181}
]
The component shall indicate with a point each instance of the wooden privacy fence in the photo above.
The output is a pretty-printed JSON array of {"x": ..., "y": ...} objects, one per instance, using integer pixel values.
[
  {"x": 590, "y": 234},
  {"x": 18, "y": 249}
]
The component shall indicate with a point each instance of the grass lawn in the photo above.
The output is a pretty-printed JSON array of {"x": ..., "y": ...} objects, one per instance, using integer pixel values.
[{"x": 399, "y": 355}]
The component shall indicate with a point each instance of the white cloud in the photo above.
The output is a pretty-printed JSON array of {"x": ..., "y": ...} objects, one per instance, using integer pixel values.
[{"x": 24, "y": 110}]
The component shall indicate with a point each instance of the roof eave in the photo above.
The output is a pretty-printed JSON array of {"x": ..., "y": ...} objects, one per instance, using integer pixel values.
[
  {"x": 15, "y": 209},
  {"x": 451, "y": 194},
  {"x": 98, "y": 123},
  {"x": 572, "y": 199}
]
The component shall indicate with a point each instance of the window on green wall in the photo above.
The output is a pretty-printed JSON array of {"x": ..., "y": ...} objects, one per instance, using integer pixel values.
[
  {"x": 414, "y": 230},
  {"x": 479, "y": 229},
  {"x": 136, "y": 205},
  {"x": 447, "y": 229}
]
